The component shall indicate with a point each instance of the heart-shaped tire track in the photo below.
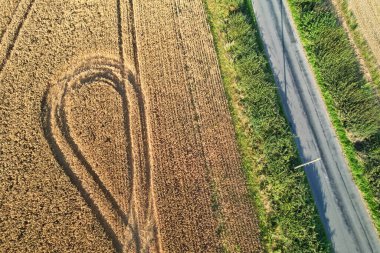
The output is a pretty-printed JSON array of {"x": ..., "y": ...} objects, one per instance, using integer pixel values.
[{"x": 132, "y": 228}]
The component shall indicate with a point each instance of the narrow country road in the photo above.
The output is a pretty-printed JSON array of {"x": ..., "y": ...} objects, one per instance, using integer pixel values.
[{"x": 339, "y": 203}]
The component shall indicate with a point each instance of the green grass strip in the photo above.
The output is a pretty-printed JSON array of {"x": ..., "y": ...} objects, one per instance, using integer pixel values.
[
  {"x": 351, "y": 103},
  {"x": 288, "y": 217}
]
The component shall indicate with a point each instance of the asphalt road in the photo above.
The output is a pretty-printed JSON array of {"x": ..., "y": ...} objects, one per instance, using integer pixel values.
[{"x": 339, "y": 203}]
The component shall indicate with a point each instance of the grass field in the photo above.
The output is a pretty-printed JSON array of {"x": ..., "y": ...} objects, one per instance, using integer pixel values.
[
  {"x": 289, "y": 220},
  {"x": 353, "y": 106},
  {"x": 115, "y": 131}
]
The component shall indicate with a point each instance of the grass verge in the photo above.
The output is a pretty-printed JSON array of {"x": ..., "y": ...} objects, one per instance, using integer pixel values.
[
  {"x": 351, "y": 102},
  {"x": 288, "y": 217}
]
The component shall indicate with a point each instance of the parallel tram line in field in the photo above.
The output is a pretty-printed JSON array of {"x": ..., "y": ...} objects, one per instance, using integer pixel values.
[
  {"x": 9, "y": 38},
  {"x": 204, "y": 86},
  {"x": 9, "y": 21},
  {"x": 190, "y": 112},
  {"x": 179, "y": 172},
  {"x": 129, "y": 141},
  {"x": 187, "y": 70},
  {"x": 147, "y": 200}
]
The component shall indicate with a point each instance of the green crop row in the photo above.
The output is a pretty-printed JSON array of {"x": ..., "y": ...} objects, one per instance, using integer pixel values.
[{"x": 288, "y": 216}]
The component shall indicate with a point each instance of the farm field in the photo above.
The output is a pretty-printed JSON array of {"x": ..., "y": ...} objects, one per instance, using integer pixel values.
[
  {"x": 359, "y": 22},
  {"x": 115, "y": 133},
  {"x": 367, "y": 14}
]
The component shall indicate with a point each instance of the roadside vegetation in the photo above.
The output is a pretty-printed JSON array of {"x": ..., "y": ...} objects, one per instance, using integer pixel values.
[
  {"x": 353, "y": 106},
  {"x": 288, "y": 217}
]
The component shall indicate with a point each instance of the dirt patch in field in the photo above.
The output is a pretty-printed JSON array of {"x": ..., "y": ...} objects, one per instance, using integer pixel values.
[{"x": 115, "y": 132}]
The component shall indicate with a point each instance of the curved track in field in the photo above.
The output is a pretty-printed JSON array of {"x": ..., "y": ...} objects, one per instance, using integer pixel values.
[{"x": 131, "y": 225}]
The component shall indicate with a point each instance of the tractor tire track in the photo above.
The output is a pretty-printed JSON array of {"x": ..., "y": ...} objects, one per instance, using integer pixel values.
[
  {"x": 3, "y": 31},
  {"x": 8, "y": 40},
  {"x": 53, "y": 109},
  {"x": 150, "y": 215}
]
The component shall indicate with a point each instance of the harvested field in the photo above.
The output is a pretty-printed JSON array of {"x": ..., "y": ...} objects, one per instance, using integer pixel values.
[{"x": 115, "y": 131}]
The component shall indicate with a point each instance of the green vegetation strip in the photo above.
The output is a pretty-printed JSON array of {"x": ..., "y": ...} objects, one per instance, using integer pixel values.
[
  {"x": 351, "y": 102},
  {"x": 288, "y": 217}
]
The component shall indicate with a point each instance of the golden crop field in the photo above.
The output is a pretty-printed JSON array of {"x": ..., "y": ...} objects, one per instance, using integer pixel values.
[
  {"x": 115, "y": 133},
  {"x": 367, "y": 13}
]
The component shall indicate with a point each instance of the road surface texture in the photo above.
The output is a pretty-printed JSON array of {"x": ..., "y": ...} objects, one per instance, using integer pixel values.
[{"x": 339, "y": 203}]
